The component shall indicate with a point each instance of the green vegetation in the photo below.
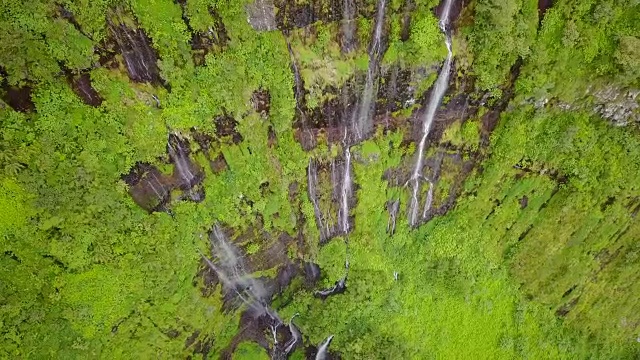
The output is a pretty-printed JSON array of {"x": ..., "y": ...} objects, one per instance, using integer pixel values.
[
  {"x": 538, "y": 258},
  {"x": 250, "y": 351}
]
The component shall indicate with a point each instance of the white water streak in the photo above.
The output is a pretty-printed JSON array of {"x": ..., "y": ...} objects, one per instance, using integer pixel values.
[
  {"x": 312, "y": 182},
  {"x": 228, "y": 264},
  {"x": 437, "y": 94},
  {"x": 429, "y": 201},
  {"x": 363, "y": 122},
  {"x": 324, "y": 348},
  {"x": 348, "y": 25},
  {"x": 345, "y": 193},
  {"x": 179, "y": 155}
]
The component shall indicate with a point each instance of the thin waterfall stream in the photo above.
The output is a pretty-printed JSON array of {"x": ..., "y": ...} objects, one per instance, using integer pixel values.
[
  {"x": 439, "y": 89},
  {"x": 362, "y": 118},
  {"x": 348, "y": 26}
]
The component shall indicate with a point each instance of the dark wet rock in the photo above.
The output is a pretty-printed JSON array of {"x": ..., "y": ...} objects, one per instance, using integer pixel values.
[
  {"x": 81, "y": 85},
  {"x": 348, "y": 27},
  {"x": 301, "y": 14},
  {"x": 209, "y": 279},
  {"x": 264, "y": 189},
  {"x": 226, "y": 128},
  {"x": 256, "y": 329},
  {"x": 214, "y": 39},
  {"x": 151, "y": 189},
  {"x": 107, "y": 51},
  {"x": 261, "y": 15},
  {"x": 311, "y": 272},
  {"x": 543, "y": 6},
  {"x": 405, "y": 28},
  {"x": 148, "y": 187},
  {"x": 270, "y": 286},
  {"x": 295, "y": 14},
  {"x": 195, "y": 194},
  {"x": 271, "y": 256},
  {"x": 219, "y": 164},
  {"x": 64, "y": 13},
  {"x": 457, "y": 6},
  {"x": 133, "y": 44},
  {"x": 394, "y": 90},
  {"x": 397, "y": 89},
  {"x": 525, "y": 233},
  {"x": 272, "y": 138},
  {"x": 524, "y": 202},
  {"x": 393, "y": 207},
  {"x": 186, "y": 173},
  {"x": 324, "y": 181},
  {"x": 204, "y": 140},
  {"x": 490, "y": 119},
  {"x": 563, "y": 310},
  {"x": 285, "y": 275},
  {"x": 294, "y": 189},
  {"x": 330, "y": 119},
  {"x": 199, "y": 344},
  {"x": 18, "y": 98},
  {"x": 261, "y": 101}
]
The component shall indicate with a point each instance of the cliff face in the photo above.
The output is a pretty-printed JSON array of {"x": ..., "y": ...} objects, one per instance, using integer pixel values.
[{"x": 182, "y": 178}]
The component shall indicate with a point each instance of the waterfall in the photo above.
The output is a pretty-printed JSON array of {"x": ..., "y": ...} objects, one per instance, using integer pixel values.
[
  {"x": 159, "y": 193},
  {"x": 180, "y": 157},
  {"x": 312, "y": 181},
  {"x": 345, "y": 194},
  {"x": 363, "y": 122},
  {"x": 308, "y": 139},
  {"x": 356, "y": 128},
  {"x": 348, "y": 26},
  {"x": 296, "y": 336},
  {"x": 324, "y": 348},
  {"x": 228, "y": 264},
  {"x": 429, "y": 201},
  {"x": 437, "y": 94},
  {"x": 137, "y": 53},
  {"x": 393, "y": 208}
]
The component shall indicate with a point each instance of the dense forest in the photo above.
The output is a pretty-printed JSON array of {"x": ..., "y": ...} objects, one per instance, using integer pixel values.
[{"x": 320, "y": 179}]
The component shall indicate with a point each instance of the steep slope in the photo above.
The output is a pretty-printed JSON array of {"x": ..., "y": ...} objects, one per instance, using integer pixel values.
[{"x": 323, "y": 178}]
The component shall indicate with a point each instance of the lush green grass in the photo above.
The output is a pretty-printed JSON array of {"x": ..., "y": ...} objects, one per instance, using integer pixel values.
[
  {"x": 454, "y": 297},
  {"x": 86, "y": 273}
]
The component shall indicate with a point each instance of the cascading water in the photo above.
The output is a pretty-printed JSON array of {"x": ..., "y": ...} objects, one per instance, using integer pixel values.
[
  {"x": 296, "y": 336},
  {"x": 345, "y": 194},
  {"x": 153, "y": 178},
  {"x": 348, "y": 26},
  {"x": 429, "y": 201},
  {"x": 362, "y": 120},
  {"x": 324, "y": 349},
  {"x": 134, "y": 45},
  {"x": 437, "y": 94},
  {"x": 312, "y": 182},
  {"x": 180, "y": 157},
  {"x": 228, "y": 264}
]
